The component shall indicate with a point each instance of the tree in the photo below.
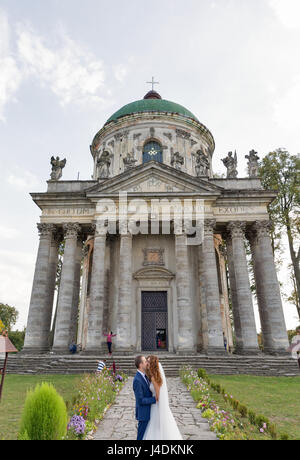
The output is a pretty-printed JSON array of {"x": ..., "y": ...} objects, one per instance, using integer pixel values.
[
  {"x": 8, "y": 315},
  {"x": 280, "y": 171}
]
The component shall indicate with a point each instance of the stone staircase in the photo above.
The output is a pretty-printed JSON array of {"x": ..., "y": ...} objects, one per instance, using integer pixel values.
[{"x": 226, "y": 365}]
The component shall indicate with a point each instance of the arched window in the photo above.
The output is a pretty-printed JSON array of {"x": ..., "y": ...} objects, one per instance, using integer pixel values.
[{"x": 152, "y": 151}]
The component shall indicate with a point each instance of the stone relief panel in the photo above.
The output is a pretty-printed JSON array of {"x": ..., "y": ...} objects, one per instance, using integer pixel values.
[
  {"x": 153, "y": 256},
  {"x": 130, "y": 141}
]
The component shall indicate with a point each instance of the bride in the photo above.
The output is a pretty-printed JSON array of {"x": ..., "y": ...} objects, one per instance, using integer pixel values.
[{"x": 162, "y": 425}]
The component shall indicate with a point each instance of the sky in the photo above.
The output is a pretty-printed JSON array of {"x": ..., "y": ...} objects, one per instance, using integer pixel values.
[{"x": 67, "y": 65}]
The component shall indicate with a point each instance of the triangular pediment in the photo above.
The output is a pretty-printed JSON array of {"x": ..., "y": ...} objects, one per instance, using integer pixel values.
[{"x": 154, "y": 177}]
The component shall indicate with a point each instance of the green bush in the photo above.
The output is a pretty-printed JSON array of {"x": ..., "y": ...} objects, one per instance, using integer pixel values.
[
  {"x": 235, "y": 403},
  {"x": 242, "y": 410},
  {"x": 44, "y": 415},
  {"x": 284, "y": 437},
  {"x": 202, "y": 374},
  {"x": 252, "y": 417},
  {"x": 272, "y": 431},
  {"x": 260, "y": 420}
]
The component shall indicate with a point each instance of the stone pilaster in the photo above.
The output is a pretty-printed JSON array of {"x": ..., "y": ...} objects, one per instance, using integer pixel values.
[
  {"x": 214, "y": 323},
  {"x": 184, "y": 302},
  {"x": 36, "y": 338},
  {"x": 248, "y": 343},
  {"x": 95, "y": 337},
  {"x": 123, "y": 339},
  {"x": 66, "y": 291},
  {"x": 274, "y": 332}
]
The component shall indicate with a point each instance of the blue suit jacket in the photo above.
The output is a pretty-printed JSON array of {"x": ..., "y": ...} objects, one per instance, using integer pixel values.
[{"x": 143, "y": 397}]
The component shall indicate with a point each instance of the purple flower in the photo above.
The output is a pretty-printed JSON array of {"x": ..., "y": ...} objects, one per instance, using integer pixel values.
[{"x": 77, "y": 423}]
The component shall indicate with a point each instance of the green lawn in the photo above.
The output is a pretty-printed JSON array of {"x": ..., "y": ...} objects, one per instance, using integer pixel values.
[
  {"x": 277, "y": 398},
  {"x": 14, "y": 394}
]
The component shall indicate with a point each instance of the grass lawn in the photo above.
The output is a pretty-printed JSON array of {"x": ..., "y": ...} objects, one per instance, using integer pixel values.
[
  {"x": 14, "y": 394},
  {"x": 277, "y": 398}
]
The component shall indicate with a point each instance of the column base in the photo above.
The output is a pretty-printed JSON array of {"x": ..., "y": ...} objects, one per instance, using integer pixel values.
[
  {"x": 35, "y": 351},
  {"x": 93, "y": 352},
  {"x": 211, "y": 351},
  {"x": 280, "y": 352},
  {"x": 185, "y": 352},
  {"x": 61, "y": 351},
  {"x": 247, "y": 351}
]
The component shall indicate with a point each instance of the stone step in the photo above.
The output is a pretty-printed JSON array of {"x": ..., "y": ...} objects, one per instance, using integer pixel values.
[{"x": 227, "y": 365}]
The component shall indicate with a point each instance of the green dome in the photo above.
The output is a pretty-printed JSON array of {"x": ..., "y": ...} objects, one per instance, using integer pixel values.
[{"x": 151, "y": 105}]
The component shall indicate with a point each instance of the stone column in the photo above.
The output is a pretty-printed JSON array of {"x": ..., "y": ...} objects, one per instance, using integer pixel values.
[
  {"x": 76, "y": 292},
  {"x": 36, "y": 338},
  {"x": 202, "y": 300},
  {"x": 66, "y": 291},
  {"x": 95, "y": 336},
  {"x": 248, "y": 343},
  {"x": 274, "y": 332},
  {"x": 186, "y": 342},
  {"x": 123, "y": 339},
  {"x": 215, "y": 343},
  {"x": 233, "y": 293}
]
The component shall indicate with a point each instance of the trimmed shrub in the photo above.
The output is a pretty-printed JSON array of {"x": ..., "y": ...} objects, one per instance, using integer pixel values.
[
  {"x": 202, "y": 374},
  {"x": 260, "y": 420},
  {"x": 235, "y": 403},
  {"x": 242, "y": 410},
  {"x": 252, "y": 417},
  {"x": 44, "y": 415},
  {"x": 272, "y": 430}
]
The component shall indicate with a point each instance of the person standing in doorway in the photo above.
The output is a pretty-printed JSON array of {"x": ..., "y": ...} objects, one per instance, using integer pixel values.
[{"x": 109, "y": 340}]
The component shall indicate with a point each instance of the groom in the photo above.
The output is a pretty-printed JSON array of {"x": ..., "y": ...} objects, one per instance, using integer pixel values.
[{"x": 143, "y": 396}]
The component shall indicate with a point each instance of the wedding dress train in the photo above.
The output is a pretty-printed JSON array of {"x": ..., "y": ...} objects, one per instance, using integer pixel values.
[{"x": 162, "y": 424}]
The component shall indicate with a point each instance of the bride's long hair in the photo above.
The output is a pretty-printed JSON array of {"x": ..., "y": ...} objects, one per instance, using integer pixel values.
[{"x": 153, "y": 370}]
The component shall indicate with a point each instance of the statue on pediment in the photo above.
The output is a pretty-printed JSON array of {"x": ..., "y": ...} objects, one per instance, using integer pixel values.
[
  {"x": 177, "y": 160},
  {"x": 129, "y": 161},
  {"x": 252, "y": 163},
  {"x": 202, "y": 164},
  {"x": 230, "y": 162},
  {"x": 57, "y": 167},
  {"x": 103, "y": 164}
]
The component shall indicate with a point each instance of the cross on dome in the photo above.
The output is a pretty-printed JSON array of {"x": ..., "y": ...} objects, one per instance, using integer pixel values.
[{"x": 153, "y": 82}]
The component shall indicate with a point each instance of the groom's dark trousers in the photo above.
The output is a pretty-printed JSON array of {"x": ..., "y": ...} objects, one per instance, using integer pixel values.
[{"x": 144, "y": 399}]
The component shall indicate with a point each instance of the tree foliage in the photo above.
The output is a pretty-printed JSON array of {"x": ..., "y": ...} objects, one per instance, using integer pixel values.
[
  {"x": 8, "y": 316},
  {"x": 280, "y": 171}
]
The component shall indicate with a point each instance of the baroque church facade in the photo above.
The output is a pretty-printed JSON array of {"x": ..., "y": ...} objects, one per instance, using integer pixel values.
[{"x": 151, "y": 288}]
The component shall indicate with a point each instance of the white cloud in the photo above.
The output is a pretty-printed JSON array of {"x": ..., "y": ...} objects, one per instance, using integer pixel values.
[
  {"x": 23, "y": 180},
  {"x": 286, "y": 110},
  {"x": 10, "y": 75},
  {"x": 7, "y": 233},
  {"x": 120, "y": 72},
  {"x": 288, "y": 12},
  {"x": 72, "y": 72},
  {"x": 16, "y": 274}
]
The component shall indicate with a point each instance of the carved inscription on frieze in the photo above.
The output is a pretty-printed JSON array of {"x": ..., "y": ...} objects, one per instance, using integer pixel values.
[{"x": 68, "y": 211}]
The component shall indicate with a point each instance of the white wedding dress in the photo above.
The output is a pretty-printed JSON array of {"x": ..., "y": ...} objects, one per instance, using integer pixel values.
[{"x": 162, "y": 425}]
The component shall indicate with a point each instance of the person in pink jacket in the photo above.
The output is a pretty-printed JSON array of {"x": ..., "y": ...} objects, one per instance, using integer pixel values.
[{"x": 109, "y": 340}]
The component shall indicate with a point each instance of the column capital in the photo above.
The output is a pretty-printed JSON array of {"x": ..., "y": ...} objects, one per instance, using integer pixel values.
[
  {"x": 209, "y": 225},
  {"x": 262, "y": 228},
  {"x": 71, "y": 230},
  {"x": 236, "y": 229},
  {"x": 46, "y": 230}
]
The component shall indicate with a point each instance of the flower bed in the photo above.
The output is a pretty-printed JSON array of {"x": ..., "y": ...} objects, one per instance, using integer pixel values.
[
  {"x": 237, "y": 422},
  {"x": 96, "y": 393}
]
